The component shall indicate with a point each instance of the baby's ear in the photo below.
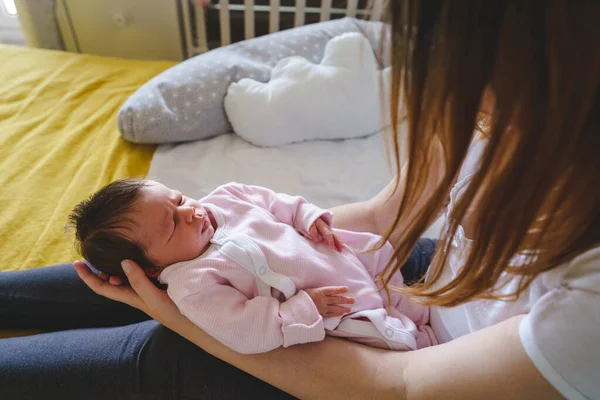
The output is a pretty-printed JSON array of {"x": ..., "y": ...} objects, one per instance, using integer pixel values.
[{"x": 153, "y": 272}]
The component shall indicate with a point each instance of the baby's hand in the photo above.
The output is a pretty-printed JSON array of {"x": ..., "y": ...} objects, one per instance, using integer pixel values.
[
  {"x": 321, "y": 232},
  {"x": 326, "y": 300}
]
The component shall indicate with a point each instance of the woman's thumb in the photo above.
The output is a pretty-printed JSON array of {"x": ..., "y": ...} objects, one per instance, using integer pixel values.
[{"x": 127, "y": 267}]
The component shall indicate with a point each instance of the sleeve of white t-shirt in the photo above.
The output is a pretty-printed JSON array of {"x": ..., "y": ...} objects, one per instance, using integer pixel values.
[{"x": 561, "y": 333}]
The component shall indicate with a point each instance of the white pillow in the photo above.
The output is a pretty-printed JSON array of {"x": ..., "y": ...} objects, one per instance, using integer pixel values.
[{"x": 337, "y": 99}]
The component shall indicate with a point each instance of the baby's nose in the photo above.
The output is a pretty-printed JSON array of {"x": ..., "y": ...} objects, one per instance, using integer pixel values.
[
  {"x": 190, "y": 213},
  {"x": 196, "y": 214}
]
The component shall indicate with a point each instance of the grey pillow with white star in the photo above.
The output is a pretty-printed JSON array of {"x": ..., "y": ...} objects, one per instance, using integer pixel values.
[{"x": 185, "y": 102}]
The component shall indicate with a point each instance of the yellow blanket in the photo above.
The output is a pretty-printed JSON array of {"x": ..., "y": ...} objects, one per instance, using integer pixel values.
[{"x": 59, "y": 143}]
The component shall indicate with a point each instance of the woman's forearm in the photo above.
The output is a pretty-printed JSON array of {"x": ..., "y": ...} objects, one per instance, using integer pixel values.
[
  {"x": 374, "y": 215},
  {"x": 490, "y": 363},
  {"x": 356, "y": 217},
  {"x": 330, "y": 369},
  {"x": 377, "y": 214}
]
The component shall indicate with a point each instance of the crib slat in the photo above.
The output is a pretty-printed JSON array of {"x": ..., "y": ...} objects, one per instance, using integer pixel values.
[
  {"x": 274, "y": 16},
  {"x": 248, "y": 19},
  {"x": 201, "y": 31},
  {"x": 224, "y": 22},
  {"x": 325, "y": 10},
  {"x": 185, "y": 9},
  {"x": 351, "y": 9},
  {"x": 299, "y": 17},
  {"x": 376, "y": 9}
]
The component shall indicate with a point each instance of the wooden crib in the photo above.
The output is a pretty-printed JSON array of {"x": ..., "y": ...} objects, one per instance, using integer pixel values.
[
  {"x": 224, "y": 22},
  {"x": 173, "y": 29}
]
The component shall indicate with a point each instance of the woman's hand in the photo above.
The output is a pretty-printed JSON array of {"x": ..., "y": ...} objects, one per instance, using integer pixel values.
[
  {"x": 113, "y": 280},
  {"x": 321, "y": 232},
  {"x": 140, "y": 293}
]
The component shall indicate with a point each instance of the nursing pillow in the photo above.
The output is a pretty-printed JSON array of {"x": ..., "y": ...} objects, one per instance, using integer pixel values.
[
  {"x": 185, "y": 102},
  {"x": 338, "y": 98}
]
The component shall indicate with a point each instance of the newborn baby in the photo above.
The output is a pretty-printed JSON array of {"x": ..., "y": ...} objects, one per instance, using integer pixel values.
[{"x": 253, "y": 268}]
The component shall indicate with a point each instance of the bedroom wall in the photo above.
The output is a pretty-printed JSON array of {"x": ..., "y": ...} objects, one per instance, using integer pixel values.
[
  {"x": 10, "y": 28},
  {"x": 39, "y": 23},
  {"x": 40, "y": 27}
]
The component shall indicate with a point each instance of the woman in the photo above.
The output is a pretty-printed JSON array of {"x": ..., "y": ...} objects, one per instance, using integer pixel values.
[{"x": 522, "y": 221}]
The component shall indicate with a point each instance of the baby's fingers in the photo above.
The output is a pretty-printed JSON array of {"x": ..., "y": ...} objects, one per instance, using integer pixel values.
[
  {"x": 332, "y": 290},
  {"x": 328, "y": 237},
  {"x": 336, "y": 311},
  {"x": 338, "y": 243},
  {"x": 314, "y": 233},
  {"x": 340, "y": 300}
]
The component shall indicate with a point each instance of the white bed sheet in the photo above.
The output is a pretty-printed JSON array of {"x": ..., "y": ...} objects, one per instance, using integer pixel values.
[{"x": 326, "y": 173}]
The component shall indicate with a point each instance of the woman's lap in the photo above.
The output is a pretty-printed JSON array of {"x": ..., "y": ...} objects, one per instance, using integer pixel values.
[
  {"x": 109, "y": 350},
  {"x": 54, "y": 298},
  {"x": 101, "y": 348},
  {"x": 144, "y": 360}
]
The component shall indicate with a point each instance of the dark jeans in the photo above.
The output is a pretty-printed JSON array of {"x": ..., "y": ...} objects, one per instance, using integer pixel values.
[
  {"x": 101, "y": 349},
  {"x": 418, "y": 262}
]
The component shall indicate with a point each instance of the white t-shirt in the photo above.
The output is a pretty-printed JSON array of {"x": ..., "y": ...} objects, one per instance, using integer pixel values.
[{"x": 561, "y": 331}]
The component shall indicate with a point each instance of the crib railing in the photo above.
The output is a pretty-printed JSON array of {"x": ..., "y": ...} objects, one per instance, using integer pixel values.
[{"x": 198, "y": 37}]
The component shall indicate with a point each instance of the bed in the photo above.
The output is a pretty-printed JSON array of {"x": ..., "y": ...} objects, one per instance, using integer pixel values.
[{"x": 60, "y": 142}]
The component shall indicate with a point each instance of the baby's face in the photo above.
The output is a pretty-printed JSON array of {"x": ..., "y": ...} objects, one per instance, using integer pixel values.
[{"x": 172, "y": 227}]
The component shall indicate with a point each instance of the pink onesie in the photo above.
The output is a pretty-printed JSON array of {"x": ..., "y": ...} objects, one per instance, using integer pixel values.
[{"x": 246, "y": 289}]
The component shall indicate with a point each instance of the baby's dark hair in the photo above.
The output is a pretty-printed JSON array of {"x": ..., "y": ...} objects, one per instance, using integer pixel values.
[{"x": 99, "y": 221}]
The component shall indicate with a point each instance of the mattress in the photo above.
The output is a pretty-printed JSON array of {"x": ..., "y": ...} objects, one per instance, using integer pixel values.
[
  {"x": 327, "y": 173},
  {"x": 59, "y": 143}
]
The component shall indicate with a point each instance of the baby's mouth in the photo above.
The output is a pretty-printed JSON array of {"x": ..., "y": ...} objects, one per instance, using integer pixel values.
[
  {"x": 205, "y": 225},
  {"x": 211, "y": 219}
]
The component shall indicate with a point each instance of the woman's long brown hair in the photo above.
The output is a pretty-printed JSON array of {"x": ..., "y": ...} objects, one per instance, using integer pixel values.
[{"x": 537, "y": 190}]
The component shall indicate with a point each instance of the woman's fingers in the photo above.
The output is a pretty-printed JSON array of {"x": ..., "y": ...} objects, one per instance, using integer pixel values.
[
  {"x": 113, "y": 280},
  {"x": 116, "y": 280},
  {"x": 157, "y": 302},
  {"x": 139, "y": 282},
  {"x": 140, "y": 293},
  {"x": 124, "y": 294},
  {"x": 89, "y": 278}
]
